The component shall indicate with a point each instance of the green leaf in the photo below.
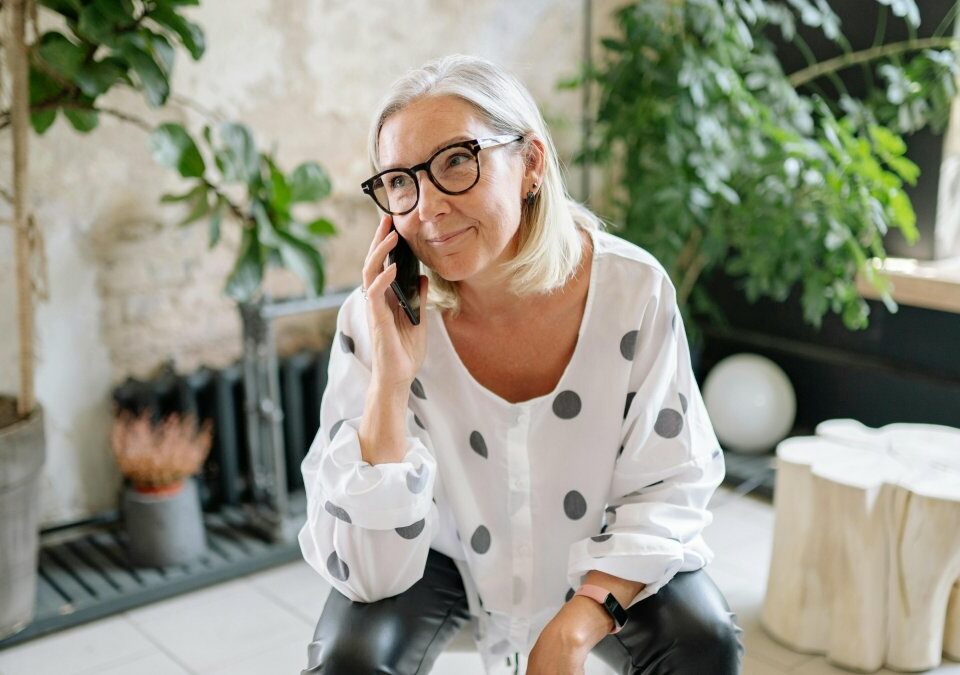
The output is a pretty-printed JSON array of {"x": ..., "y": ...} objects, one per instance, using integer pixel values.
[
  {"x": 308, "y": 183},
  {"x": 171, "y": 146},
  {"x": 41, "y": 121},
  {"x": 279, "y": 190},
  {"x": 153, "y": 81},
  {"x": 238, "y": 159},
  {"x": 42, "y": 87},
  {"x": 305, "y": 261},
  {"x": 161, "y": 50},
  {"x": 214, "y": 224},
  {"x": 266, "y": 231},
  {"x": 247, "y": 273},
  {"x": 99, "y": 21},
  {"x": 199, "y": 207},
  {"x": 190, "y": 34},
  {"x": 61, "y": 54},
  {"x": 321, "y": 227},
  {"x": 82, "y": 120},
  {"x": 97, "y": 77},
  {"x": 189, "y": 194}
]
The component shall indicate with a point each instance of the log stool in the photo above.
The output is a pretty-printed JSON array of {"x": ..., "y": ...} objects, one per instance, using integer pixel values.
[{"x": 865, "y": 566}]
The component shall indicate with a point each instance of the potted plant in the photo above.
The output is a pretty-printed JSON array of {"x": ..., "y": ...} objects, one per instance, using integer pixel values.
[
  {"x": 716, "y": 159},
  {"x": 161, "y": 505}
]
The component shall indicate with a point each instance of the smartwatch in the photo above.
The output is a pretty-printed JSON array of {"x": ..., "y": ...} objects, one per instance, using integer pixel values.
[{"x": 605, "y": 598}]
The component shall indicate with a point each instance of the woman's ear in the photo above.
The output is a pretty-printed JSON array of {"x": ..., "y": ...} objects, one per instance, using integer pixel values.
[{"x": 535, "y": 164}]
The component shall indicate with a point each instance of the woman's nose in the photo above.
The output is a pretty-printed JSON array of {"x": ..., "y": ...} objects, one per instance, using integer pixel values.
[{"x": 433, "y": 201}]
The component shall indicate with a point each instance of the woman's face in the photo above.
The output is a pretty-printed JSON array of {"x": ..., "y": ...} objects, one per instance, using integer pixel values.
[{"x": 488, "y": 214}]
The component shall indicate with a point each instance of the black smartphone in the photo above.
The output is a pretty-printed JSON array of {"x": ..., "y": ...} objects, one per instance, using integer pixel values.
[{"x": 406, "y": 285}]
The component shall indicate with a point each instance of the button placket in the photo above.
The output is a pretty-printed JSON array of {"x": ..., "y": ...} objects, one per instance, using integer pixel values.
[{"x": 521, "y": 520}]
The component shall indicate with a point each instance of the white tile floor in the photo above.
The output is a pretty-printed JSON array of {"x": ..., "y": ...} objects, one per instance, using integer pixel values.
[{"x": 260, "y": 624}]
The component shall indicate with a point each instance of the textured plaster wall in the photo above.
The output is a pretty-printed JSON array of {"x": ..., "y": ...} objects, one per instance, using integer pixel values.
[{"x": 129, "y": 289}]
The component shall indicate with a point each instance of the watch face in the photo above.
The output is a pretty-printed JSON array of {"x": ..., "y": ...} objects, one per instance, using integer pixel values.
[{"x": 618, "y": 613}]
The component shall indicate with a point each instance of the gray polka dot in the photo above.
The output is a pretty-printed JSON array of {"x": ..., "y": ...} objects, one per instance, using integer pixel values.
[
  {"x": 626, "y": 408},
  {"x": 337, "y": 568},
  {"x": 669, "y": 423},
  {"x": 478, "y": 444},
  {"x": 417, "y": 479},
  {"x": 673, "y": 322},
  {"x": 570, "y": 594},
  {"x": 411, "y": 531},
  {"x": 419, "y": 423},
  {"x": 574, "y": 505},
  {"x": 628, "y": 344},
  {"x": 715, "y": 453},
  {"x": 566, "y": 405},
  {"x": 518, "y": 589},
  {"x": 335, "y": 429},
  {"x": 480, "y": 541},
  {"x": 611, "y": 512},
  {"x": 417, "y": 389},
  {"x": 337, "y": 512},
  {"x": 619, "y": 452},
  {"x": 346, "y": 343},
  {"x": 683, "y": 403},
  {"x": 599, "y": 538}
]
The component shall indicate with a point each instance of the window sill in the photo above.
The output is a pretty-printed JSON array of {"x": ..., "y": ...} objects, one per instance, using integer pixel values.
[{"x": 931, "y": 284}]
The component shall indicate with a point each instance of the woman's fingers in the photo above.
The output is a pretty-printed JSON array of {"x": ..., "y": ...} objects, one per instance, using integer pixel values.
[{"x": 375, "y": 263}]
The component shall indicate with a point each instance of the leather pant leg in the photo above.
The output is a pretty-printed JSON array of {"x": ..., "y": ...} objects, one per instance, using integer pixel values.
[
  {"x": 686, "y": 628},
  {"x": 400, "y": 635}
]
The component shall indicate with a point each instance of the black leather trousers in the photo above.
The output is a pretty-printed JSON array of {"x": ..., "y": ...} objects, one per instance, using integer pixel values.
[{"x": 686, "y": 628}]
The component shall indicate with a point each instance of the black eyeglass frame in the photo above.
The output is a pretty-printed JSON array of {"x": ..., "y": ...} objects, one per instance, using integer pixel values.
[{"x": 474, "y": 145}]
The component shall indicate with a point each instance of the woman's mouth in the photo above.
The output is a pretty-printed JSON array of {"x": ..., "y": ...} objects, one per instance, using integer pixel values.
[{"x": 449, "y": 238}]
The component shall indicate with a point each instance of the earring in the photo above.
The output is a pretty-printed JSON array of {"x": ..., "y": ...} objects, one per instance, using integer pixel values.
[{"x": 531, "y": 195}]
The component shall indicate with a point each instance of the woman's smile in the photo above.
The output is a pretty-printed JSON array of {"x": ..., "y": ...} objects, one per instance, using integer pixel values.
[{"x": 450, "y": 240}]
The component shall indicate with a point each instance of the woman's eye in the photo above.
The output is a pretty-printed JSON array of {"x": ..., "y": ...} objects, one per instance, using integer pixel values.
[
  {"x": 398, "y": 182},
  {"x": 459, "y": 159}
]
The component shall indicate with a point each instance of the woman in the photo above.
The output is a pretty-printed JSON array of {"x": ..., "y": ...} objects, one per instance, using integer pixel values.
[{"x": 535, "y": 454}]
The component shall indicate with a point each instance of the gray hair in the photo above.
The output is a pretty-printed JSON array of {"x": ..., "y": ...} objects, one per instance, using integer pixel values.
[{"x": 550, "y": 248}]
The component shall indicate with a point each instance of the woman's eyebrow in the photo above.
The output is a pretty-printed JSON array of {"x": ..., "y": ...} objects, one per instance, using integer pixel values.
[{"x": 438, "y": 146}]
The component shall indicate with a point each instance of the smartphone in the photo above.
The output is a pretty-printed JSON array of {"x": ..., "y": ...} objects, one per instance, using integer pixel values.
[{"x": 406, "y": 285}]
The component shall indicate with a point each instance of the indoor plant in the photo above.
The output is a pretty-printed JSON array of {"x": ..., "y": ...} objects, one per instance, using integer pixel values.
[
  {"x": 161, "y": 505},
  {"x": 717, "y": 159}
]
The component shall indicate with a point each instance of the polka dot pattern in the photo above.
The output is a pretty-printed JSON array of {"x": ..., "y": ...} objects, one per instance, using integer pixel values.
[
  {"x": 335, "y": 428},
  {"x": 574, "y": 505},
  {"x": 715, "y": 453},
  {"x": 626, "y": 408},
  {"x": 628, "y": 344},
  {"x": 417, "y": 479},
  {"x": 478, "y": 444},
  {"x": 419, "y": 423},
  {"x": 347, "y": 344},
  {"x": 567, "y": 405},
  {"x": 411, "y": 531},
  {"x": 337, "y": 512},
  {"x": 480, "y": 541},
  {"x": 683, "y": 403},
  {"x": 337, "y": 568},
  {"x": 619, "y": 452},
  {"x": 669, "y": 423},
  {"x": 600, "y": 538},
  {"x": 417, "y": 388}
]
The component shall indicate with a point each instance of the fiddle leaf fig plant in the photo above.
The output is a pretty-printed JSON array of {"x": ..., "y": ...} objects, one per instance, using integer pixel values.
[
  {"x": 717, "y": 159},
  {"x": 271, "y": 232}
]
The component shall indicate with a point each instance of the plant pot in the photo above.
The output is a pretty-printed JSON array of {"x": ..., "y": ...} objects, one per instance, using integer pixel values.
[
  {"x": 22, "y": 453},
  {"x": 164, "y": 527}
]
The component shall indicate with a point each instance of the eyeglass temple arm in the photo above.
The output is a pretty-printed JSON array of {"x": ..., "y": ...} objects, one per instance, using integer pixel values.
[{"x": 498, "y": 140}]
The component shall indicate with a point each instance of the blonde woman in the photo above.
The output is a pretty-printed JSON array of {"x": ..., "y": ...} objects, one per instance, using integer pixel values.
[{"x": 534, "y": 456}]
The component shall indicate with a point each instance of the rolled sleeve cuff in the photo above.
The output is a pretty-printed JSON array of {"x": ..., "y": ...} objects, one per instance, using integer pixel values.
[
  {"x": 377, "y": 496},
  {"x": 644, "y": 558}
]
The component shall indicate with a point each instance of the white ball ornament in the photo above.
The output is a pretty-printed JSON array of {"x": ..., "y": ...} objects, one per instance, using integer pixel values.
[{"x": 751, "y": 403}]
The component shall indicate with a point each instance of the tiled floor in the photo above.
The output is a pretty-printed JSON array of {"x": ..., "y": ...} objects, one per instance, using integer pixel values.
[{"x": 260, "y": 625}]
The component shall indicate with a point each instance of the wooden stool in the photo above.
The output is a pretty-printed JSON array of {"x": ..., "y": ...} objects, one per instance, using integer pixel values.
[{"x": 866, "y": 546}]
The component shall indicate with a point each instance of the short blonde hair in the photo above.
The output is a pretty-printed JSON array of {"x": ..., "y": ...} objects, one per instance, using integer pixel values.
[{"x": 550, "y": 247}]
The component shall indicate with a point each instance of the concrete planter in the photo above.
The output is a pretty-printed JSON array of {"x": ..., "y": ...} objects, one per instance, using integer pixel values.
[
  {"x": 164, "y": 528},
  {"x": 22, "y": 453}
]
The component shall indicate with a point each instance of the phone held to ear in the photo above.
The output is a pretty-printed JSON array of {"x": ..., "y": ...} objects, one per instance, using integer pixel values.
[{"x": 406, "y": 285}]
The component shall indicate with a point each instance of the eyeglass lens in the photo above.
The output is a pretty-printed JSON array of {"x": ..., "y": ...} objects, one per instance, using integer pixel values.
[{"x": 454, "y": 170}]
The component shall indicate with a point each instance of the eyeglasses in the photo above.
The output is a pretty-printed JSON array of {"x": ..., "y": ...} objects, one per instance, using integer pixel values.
[{"x": 454, "y": 169}]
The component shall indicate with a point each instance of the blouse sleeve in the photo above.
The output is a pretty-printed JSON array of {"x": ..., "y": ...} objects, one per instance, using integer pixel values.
[
  {"x": 368, "y": 527},
  {"x": 669, "y": 467}
]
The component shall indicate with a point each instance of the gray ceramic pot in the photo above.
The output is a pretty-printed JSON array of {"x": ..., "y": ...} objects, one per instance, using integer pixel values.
[{"x": 164, "y": 529}]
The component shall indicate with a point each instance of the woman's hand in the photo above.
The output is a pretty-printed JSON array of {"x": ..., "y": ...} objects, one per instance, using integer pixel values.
[{"x": 399, "y": 347}]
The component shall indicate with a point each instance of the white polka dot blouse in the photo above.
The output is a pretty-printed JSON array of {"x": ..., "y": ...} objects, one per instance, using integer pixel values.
[{"x": 612, "y": 471}]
